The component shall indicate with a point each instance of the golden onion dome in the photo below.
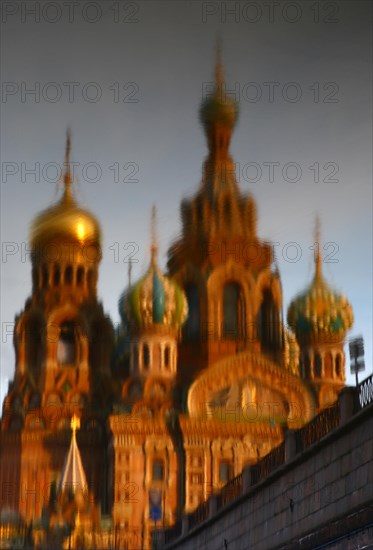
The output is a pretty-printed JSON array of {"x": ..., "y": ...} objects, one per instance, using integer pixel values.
[
  {"x": 320, "y": 314},
  {"x": 65, "y": 221}
]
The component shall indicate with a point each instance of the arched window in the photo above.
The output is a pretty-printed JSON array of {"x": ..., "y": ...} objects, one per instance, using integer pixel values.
[
  {"x": 56, "y": 275},
  {"x": 328, "y": 365},
  {"x": 233, "y": 312},
  {"x": 224, "y": 471},
  {"x": 69, "y": 275},
  {"x": 317, "y": 365},
  {"x": 35, "y": 348},
  {"x": 338, "y": 365},
  {"x": 166, "y": 358},
  {"x": 158, "y": 470},
  {"x": 79, "y": 276},
  {"x": 269, "y": 323},
  {"x": 67, "y": 346},
  {"x": 192, "y": 325},
  {"x": 146, "y": 356}
]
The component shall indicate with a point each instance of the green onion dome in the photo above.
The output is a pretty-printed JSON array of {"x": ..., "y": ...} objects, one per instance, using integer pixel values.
[
  {"x": 320, "y": 314},
  {"x": 154, "y": 300}
]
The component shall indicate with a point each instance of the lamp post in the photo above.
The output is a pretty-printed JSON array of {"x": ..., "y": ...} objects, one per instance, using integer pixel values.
[{"x": 356, "y": 346}]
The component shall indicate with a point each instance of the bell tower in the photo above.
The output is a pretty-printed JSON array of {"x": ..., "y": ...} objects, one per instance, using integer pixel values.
[{"x": 63, "y": 344}]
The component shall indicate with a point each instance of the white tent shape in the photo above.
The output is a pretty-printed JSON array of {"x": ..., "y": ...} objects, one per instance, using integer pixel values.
[{"x": 73, "y": 475}]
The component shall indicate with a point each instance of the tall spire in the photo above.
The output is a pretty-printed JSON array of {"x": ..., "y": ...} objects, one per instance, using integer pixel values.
[
  {"x": 67, "y": 180},
  {"x": 318, "y": 258},
  {"x": 154, "y": 243},
  {"x": 219, "y": 73},
  {"x": 218, "y": 111},
  {"x": 73, "y": 476}
]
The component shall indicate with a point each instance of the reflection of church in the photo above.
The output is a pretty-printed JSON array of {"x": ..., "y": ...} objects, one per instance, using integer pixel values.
[{"x": 201, "y": 380}]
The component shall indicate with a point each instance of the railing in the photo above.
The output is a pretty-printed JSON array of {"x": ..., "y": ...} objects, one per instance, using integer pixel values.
[
  {"x": 231, "y": 491},
  {"x": 365, "y": 389},
  {"x": 321, "y": 425},
  {"x": 200, "y": 514},
  {"x": 270, "y": 462},
  {"x": 172, "y": 533}
]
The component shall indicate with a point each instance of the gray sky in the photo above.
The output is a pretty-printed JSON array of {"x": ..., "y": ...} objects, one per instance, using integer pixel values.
[{"x": 128, "y": 78}]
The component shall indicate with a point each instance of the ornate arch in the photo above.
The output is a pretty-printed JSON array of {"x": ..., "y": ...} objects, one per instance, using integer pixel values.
[
  {"x": 248, "y": 364},
  {"x": 228, "y": 272},
  {"x": 266, "y": 279}
]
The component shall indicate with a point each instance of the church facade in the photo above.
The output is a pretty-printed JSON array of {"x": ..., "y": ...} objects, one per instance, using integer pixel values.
[{"x": 202, "y": 380}]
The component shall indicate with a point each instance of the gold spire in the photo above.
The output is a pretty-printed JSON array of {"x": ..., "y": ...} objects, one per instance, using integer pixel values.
[
  {"x": 154, "y": 243},
  {"x": 318, "y": 258},
  {"x": 75, "y": 423},
  {"x": 67, "y": 176},
  {"x": 73, "y": 475}
]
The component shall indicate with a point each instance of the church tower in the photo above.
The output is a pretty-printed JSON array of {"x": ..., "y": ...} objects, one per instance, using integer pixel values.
[
  {"x": 145, "y": 452},
  {"x": 63, "y": 344},
  {"x": 234, "y": 294},
  {"x": 320, "y": 318}
]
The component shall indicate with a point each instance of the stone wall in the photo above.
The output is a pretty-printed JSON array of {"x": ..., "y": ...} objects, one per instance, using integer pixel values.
[{"x": 322, "y": 494}]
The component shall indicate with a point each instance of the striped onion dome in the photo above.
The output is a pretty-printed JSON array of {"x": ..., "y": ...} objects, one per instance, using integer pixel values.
[
  {"x": 155, "y": 300},
  {"x": 320, "y": 314}
]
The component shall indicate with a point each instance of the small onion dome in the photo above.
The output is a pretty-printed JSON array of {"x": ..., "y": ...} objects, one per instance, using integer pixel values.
[
  {"x": 218, "y": 108},
  {"x": 154, "y": 300},
  {"x": 320, "y": 314},
  {"x": 66, "y": 222}
]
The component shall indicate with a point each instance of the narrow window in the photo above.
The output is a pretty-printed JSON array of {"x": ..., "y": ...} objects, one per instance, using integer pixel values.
[
  {"x": 158, "y": 470},
  {"x": 317, "y": 365},
  {"x": 69, "y": 275},
  {"x": 167, "y": 357},
  {"x": 233, "y": 312},
  {"x": 338, "y": 366},
  {"x": 56, "y": 276},
  {"x": 224, "y": 472},
  {"x": 80, "y": 276},
  {"x": 67, "y": 346},
  {"x": 146, "y": 356}
]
